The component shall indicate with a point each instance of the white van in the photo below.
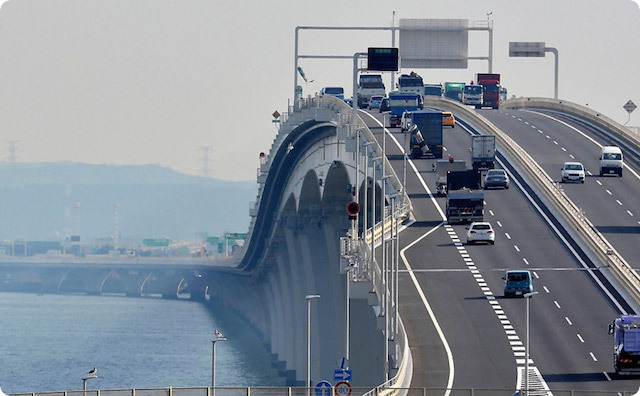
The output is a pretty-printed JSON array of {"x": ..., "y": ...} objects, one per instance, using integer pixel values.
[{"x": 611, "y": 161}]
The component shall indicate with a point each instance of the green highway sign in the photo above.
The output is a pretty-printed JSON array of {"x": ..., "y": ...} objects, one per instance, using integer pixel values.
[
  {"x": 232, "y": 236},
  {"x": 156, "y": 242},
  {"x": 213, "y": 240}
]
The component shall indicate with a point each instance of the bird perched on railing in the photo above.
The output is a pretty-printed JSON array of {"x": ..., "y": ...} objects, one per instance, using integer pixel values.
[{"x": 94, "y": 370}]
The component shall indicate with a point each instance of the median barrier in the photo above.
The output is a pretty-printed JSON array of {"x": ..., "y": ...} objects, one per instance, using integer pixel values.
[{"x": 569, "y": 214}]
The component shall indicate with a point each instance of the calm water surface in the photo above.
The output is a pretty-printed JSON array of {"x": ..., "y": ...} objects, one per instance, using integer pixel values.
[{"x": 49, "y": 342}]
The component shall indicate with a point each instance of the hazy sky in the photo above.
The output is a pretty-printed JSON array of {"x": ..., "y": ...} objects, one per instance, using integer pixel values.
[{"x": 153, "y": 81}]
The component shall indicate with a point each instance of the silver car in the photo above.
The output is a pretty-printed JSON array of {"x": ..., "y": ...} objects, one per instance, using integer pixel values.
[{"x": 496, "y": 178}]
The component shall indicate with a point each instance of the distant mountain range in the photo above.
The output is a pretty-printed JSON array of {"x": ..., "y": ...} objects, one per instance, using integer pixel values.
[{"x": 37, "y": 202}]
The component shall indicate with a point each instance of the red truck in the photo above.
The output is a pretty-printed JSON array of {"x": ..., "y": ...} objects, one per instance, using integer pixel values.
[{"x": 491, "y": 92}]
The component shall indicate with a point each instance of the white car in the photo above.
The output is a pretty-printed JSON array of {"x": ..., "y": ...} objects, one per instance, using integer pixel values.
[
  {"x": 573, "y": 171},
  {"x": 480, "y": 232}
]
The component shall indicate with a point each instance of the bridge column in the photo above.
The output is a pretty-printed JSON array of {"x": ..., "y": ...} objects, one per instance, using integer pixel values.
[
  {"x": 297, "y": 335},
  {"x": 197, "y": 287},
  {"x": 288, "y": 292}
]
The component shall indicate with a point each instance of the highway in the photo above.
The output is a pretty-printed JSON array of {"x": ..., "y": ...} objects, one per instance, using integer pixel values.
[
  {"x": 481, "y": 332},
  {"x": 611, "y": 203}
]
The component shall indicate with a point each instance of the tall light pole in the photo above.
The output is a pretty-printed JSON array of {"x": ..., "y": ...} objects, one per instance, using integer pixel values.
[
  {"x": 88, "y": 376},
  {"x": 219, "y": 337},
  {"x": 309, "y": 297},
  {"x": 527, "y": 296}
]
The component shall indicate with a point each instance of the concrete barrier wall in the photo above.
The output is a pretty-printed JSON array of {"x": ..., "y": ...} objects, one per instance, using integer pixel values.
[
  {"x": 595, "y": 245},
  {"x": 575, "y": 109}
]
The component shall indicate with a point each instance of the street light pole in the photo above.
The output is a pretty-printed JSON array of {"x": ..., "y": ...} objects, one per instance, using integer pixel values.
[
  {"x": 219, "y": 337},
  {"x": 309, "y": 297},
  {"x": 89, "y": 376},
  {"x": 527, "y": 296}
]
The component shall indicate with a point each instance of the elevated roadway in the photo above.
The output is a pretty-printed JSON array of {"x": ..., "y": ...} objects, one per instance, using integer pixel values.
[{"x": 484, "y": 333}]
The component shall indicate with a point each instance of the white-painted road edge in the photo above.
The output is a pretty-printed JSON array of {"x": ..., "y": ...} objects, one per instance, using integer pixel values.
[{"x": 410, "y": 270}]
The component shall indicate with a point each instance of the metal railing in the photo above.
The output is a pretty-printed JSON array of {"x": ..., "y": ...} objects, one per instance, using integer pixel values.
[{"x": 302, "y": 391}]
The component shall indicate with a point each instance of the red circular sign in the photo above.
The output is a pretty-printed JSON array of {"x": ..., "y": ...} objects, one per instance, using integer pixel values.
[
  {"x": 342, "y": 388},
  {"x": 353, "y": 208}
]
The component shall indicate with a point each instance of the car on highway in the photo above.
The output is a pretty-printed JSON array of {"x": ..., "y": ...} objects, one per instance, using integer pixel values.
[
  {"x": 384, "y": 105},
  {"x": 611, "y": 161},
  {"x": 480, "y": 231},
  {"x": 517, "y": 283},
  {"x": 496, "y": 178},
  {"x": 374, "y": 102},
  {"x": 448, "y": 119},
  {"x": 572, "y": 171}
]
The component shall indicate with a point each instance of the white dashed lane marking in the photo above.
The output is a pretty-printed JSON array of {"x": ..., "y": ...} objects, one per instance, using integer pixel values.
[
  {"x": 516, "y": 247},
  {"x": 630, "y": 214},
  {"x": 608, "y": 192},
  {"x": 619, "y": 203},
  {"x": 556, "y": 303},
  {"x": 598, "y": 181},
  {"x": 580, "y": 338},
  {"x": 545, "y": 289},
  {"x": 536, "y": 382},
  {"x": 568, "y": 321},
  {"x": 593, "y": 356}
]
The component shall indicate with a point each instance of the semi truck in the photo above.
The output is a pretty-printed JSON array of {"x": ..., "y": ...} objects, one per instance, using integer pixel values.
[
  {"x": 491, "y": 89},
  {"x": 443, "y": 167},
  {"x": 399, "y": 103},
  {"x": 465, "y": 203},
  {"x": 369, "y": 85},
  {"x": 472, "y": 95},
  {"x": 483, "y": 151},
  {"x": 453, "y": 90},
  {"x": 426, "y": 134},
  {"x": 626, "y": 344},
  {"x": 465, "y": 206},
  {"x": 411, "y": 83}
]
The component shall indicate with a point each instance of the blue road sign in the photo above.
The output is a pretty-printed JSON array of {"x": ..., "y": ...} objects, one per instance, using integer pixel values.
[
  {"x": 342, "y": 375},
  {"x": 323, "y": 388}
]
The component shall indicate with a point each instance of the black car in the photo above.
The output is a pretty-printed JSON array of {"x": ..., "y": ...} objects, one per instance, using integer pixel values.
[{"x": 384, "y": 105}]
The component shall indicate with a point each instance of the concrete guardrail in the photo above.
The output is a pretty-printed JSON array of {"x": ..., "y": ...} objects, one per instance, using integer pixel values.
[{"x": 567, "y": 212}]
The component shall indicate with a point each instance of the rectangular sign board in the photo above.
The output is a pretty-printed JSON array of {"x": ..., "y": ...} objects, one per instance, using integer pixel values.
[
  {"x": 232, "y": 236},
  {"x": 382, "y": 59},
  {"x": 434, "y": 43},
  {"x": 213, "y": 240},
  {"x": 526, "y": 49}
]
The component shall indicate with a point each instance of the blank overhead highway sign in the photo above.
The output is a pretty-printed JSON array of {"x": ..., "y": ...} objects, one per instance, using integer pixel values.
[{"x": 526, "y": 49}]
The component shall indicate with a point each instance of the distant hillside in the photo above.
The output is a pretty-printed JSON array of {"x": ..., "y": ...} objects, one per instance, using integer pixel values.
[{"x": 153, "y": 201}]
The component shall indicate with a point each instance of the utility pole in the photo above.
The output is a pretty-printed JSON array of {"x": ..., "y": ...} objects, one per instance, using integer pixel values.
[
  {"x": 116, "y": 226},
  {"x": 12, "y": 149},
  {"x": 205, "y": 159}
]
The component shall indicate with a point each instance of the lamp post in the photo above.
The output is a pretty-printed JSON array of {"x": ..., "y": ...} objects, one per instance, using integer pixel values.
[
  {"x": 309, "y": 297},
  {"x": 527, "y": 296},
  {"x": 535, "y": 49},
  {"x": 88, "y": 376},
  {"x": 219, "y": 337}
]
